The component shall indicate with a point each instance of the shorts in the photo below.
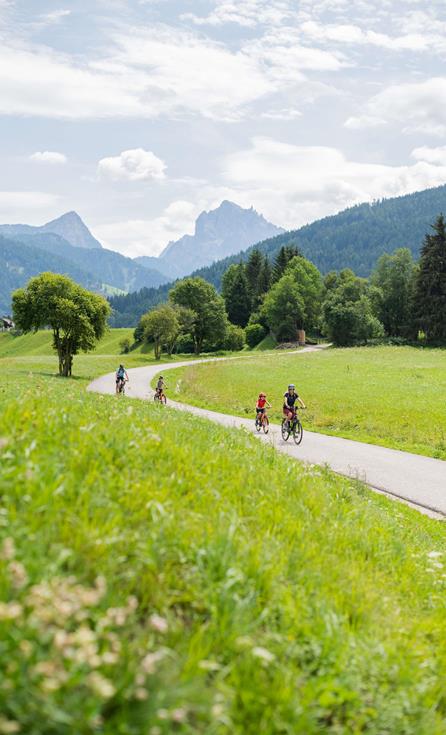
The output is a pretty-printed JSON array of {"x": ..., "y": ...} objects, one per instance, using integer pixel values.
[{"x": 260, "y": 410}]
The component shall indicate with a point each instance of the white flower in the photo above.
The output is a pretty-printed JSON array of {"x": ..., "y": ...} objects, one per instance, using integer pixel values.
[
  {"x": 434, "y": 554},
  {"x": 263, "y": 654},
  {"x": 100, "y": 685},
  {"x": 158, "y": 623}
]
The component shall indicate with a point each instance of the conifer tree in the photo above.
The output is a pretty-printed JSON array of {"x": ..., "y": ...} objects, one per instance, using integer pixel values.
[
  {"x": 430, "y": 286},
  {"x": 237, "y": 295},
  {"x": 283, "y": 257}
]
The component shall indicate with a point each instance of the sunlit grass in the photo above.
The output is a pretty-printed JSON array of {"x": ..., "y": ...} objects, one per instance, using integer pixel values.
[
  {"x": 191, "y": 580},
  {"x": 392, "y": 396}
]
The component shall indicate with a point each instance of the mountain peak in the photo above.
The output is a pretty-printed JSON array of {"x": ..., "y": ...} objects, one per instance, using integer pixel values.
[
  {"x": 223, "y": 231},
  {"x": 72, "y": 228}
]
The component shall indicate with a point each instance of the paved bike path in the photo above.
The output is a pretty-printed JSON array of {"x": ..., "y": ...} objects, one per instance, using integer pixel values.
[{"x": 414, "y": 478}]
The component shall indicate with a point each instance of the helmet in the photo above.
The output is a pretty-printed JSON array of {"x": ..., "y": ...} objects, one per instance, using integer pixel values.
[
  {"x": 160, "y": 377},
  {"x": 291, "y": 386},
  {"x": 121, "y": 366}
]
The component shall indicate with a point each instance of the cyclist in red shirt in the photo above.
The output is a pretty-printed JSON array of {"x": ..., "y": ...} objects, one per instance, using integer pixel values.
[{"x": 261, "y": 406}]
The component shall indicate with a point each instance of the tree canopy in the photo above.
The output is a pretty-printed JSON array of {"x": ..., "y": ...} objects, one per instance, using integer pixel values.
[
  {"x": 77, "y": 317},
  {"x": 430, "y": 285},
  {"x": 209, "y": 315}
]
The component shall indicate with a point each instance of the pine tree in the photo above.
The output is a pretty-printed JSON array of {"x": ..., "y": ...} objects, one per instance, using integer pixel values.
[
  {"x": 254, "y": 268},
  {"x": 237, "y": 295},
  {"x": 430, "y": 286},
  {"x": 283, "y": 257},
  {"x": 265, "y": 278}
]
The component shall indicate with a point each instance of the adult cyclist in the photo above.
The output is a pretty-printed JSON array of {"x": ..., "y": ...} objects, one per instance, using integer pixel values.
[
  {"x": 121, "y": 378},
  {"x": 290, "y": 399}
]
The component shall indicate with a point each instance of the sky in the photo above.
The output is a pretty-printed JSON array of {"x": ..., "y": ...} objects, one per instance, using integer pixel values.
[{"x": 139, "y": 114}]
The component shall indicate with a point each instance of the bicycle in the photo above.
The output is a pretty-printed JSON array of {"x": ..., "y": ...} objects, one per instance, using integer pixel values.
[
  {"x": 292, "y": 427},
  {"x": 159, "y": 397},
  {"x": 121, "y": 387},
  {"x": 262, "y": 422}
]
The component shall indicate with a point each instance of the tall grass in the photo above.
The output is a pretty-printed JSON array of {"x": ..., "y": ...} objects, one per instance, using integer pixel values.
[
  {"x": 391, "y": 396},
  {"x": 160, "y": 574}
]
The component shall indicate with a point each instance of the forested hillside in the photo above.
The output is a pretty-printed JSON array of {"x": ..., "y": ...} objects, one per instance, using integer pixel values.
[
  {"x": 356, "y": 237},
  {"x": 20, "y": 262}
]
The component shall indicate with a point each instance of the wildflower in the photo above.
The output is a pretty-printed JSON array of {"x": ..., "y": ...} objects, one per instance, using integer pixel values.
[
  {"x": 10, "y": 610},
  {"x": 100, "y": 685},
  {"x": 158, "y": 623},
  {"x": 179, "y": 714},
  {"x": 163, "y": 714},
  {"x": 141, "y": 694},
  {"x": 8, "y": 726},
  {"x": 26, "y": 648},
  {"x": 434, "y": 554},
  {"x": 18, "y": 574},
  {"x": 4, "y": 441},
  {"x": 149, "y": 662},
  {"x": 209, "y": 665},
  {"x": 263, "y": 654},
  {"x": 8, "y": 549}
]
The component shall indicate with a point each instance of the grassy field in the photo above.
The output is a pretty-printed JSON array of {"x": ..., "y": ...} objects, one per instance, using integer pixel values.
[
  {"x": 392, "y": 396},
  {"x": 39, "y": 343},
  {"x": 160, "y": 575}
]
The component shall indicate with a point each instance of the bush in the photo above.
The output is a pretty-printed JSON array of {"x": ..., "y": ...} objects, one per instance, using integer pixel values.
[
  {"x": 235, "y": 338},
  {"x": 125, "y": 345},
  {"x": 254, "y": 334},
  {"x": 185, "y": 344}
]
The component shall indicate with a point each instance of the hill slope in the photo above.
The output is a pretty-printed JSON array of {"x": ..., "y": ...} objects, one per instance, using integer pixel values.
[
  {"x": 20, "y": 262},
  {"x": 218, "y": 233}
]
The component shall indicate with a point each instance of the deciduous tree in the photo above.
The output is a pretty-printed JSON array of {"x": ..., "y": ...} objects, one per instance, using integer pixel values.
[
  {"x": 77, "y": 317},
  {"x": 209, "y": 316}
]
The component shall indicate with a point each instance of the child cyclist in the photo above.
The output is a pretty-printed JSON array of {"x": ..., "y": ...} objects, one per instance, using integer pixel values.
[{"x": 261, "y": 406}]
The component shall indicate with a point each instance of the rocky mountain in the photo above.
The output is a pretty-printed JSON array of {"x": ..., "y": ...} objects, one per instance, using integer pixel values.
[
  {"x": 26, "y": 251},
  {"x": 355, "y": 238},
  {"x": 218, "y": 233},
  {"x": 69, "y": 226}
]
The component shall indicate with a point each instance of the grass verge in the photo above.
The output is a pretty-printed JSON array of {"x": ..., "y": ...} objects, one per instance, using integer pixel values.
[{"x": 160, "y": 574}]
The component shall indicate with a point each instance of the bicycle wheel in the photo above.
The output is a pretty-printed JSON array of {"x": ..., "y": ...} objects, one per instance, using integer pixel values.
[
  {"x": 265, "y": 424},
  {"x": 163, "y": 399},
  {"x": 285, "y": 430},
  {"x": 258, "y": 426},
  {"x": 298, "y": 432}
]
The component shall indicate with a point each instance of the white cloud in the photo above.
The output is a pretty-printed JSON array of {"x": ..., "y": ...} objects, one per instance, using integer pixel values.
[
  {"x": 352, "y": 34},
  {"x": 133, "y": 165},
  {"x": 436, "y": 156},
  {"x": 149, "y": 236},
  {"x": 55, "y": 16},
  {"x": 15, "y": 206},
  {"x": 418, "y": 107},
  {"x": 245, "y": 13},
  {"x": 293, "y": 185},
  {"x": 48, "y": 157}
]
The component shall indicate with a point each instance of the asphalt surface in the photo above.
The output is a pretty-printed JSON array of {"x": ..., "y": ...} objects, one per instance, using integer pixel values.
[{"x": 415, "y": 479}]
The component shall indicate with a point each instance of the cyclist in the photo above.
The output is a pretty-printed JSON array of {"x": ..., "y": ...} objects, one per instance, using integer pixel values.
[
  {"x": 261, "y": 406},
  {"x": 160, "y": 386},
  {"x": 121, "y": 378},
  {"x": 289, "y": 402}
]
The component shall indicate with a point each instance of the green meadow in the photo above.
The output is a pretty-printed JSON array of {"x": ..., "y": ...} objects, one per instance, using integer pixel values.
[
  {"x": 393, "y": 396},
  {"x": 160, "y": 574}
]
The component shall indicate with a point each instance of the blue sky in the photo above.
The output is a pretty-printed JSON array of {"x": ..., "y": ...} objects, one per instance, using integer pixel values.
[{"x": 139, "y": 114}]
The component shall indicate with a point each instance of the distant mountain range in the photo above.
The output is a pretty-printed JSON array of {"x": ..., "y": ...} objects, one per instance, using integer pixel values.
[
  {"x": 60, "y": 246},
  {"x": 355, "y": 238},
  {"x": 218, "y": 233}
]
